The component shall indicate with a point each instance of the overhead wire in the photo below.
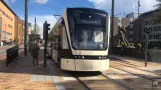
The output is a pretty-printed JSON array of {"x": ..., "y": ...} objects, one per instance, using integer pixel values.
[{"x": 99, "y": 3}]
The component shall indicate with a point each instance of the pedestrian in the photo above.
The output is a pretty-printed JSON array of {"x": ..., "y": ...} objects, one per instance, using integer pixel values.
[
  {"x": 122, "y": 51},
  {"x": 35, "y": 52}
]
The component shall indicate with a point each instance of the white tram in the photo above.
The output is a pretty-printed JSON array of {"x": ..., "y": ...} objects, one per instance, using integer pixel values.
[{"x": 81, "y": 40}]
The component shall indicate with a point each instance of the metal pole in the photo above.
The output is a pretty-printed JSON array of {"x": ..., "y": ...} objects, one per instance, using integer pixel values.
[
  {"x": 112, "y": 26},
  {"x": 146, "y": 49},
  {"x": 26, "y": 27},
  {"x": 35, "y": 26},
  {"x": 138, "y": 7},
  {"x": 45, "y": 46}
]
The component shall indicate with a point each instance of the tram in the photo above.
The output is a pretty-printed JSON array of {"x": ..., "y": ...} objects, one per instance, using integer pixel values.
[{"x": 81, "y": 40}]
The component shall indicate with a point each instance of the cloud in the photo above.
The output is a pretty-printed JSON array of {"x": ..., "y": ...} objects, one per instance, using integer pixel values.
[
  {"x": 41, "y": 1},
  {"x": 40, "y": 20},
  {"x": 125, "y": 5}
]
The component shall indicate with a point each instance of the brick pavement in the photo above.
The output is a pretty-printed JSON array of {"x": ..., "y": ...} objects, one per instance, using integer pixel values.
[{"x": 19, "y": 76}]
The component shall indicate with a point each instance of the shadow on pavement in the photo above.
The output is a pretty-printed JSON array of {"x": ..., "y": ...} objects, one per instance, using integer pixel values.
[{"x": 24, "y": 65}]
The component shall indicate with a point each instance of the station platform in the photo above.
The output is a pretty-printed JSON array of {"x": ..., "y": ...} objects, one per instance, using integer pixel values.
[
  {"x": 154, "y": 67},
  {"x": 22, "y": 75}
]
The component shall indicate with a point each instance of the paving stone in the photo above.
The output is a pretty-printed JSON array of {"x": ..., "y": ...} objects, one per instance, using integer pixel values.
[
  {"x": 34, "y": 78},
  {"x": 41, "y": 78},
  {"x": 48, "y": 78}
]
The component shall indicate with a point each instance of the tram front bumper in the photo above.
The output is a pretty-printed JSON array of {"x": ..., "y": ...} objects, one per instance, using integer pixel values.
[{"x": 91, "y": 65}]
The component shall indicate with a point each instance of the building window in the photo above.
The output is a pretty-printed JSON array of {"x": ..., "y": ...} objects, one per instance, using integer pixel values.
[
  {"x": 131, "y": 32},
  {"x": 3, "y": 13}
]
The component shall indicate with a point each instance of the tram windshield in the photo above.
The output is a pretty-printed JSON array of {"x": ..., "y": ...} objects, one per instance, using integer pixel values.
[{"x": 88, "y": 31}]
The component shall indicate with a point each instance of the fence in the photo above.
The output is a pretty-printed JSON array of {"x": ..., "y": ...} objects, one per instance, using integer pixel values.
[
  {"x": 12, "y": 53},
  {"x": 131, "y": 52}
]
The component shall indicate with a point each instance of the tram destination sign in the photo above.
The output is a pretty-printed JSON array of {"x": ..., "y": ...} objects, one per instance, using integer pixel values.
[{"x": 89, "y": 21}]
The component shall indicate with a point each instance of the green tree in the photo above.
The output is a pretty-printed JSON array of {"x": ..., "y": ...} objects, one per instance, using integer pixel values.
[
  {"x": 139, "y": 45},
  {"x": 132, "y": 44},
  {"x": 36, "y": 29},
  {"x": 50, "y": 35},
  {"x": 157, "y": 15}
]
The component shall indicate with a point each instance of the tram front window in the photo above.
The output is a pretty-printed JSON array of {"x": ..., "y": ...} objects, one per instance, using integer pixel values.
[
  {"x": 89, "y": 37},
  {"x": 88, "y": 31}
]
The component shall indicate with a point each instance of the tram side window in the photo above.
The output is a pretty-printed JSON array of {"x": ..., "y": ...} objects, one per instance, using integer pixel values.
[{"x": 64, "y": 39}]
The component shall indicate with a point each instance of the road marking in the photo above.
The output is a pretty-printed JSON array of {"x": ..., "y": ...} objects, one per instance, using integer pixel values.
[
  {"x": 58, "y": 83},
  {"x": 41, "y": 78},
  {"x": 66, "y": 76},
  {"x": 33, "y": 78},
  {"x": 93, "y": 78},
  {"x": 48, "y": 78}
]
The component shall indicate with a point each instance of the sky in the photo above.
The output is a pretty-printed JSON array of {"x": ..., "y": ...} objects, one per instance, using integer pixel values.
[{"x": 44, "y": 10}]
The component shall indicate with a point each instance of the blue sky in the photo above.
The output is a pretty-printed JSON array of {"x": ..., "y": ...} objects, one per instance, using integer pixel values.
[{"x": 45, "y": 9}]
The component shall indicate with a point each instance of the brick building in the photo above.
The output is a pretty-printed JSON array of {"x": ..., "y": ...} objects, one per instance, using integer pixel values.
[
  {"x": 7, "y": 21},
  {"x": 11, "y": 26}
]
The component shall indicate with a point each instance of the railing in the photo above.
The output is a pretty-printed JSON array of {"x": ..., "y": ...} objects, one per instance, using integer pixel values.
[
  {"x": 131, "y": 52},
  {"x": 12, "y": 53}
]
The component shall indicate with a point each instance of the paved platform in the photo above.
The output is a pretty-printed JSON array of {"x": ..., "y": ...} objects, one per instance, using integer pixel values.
[
  {"x": 154, "y": 67},
  {"x": 21, "y": 74}
]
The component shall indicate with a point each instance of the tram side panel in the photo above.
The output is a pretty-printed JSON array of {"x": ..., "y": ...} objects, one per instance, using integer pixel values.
[{"x": 67, "y": 63}]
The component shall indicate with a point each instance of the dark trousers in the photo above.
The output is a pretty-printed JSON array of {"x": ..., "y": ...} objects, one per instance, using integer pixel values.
[
  {"x": 35, "y": 60},
  {"x": 122, "y": 52}
]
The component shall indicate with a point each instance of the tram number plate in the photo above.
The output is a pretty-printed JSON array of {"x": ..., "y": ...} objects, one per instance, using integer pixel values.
[{"x": 156, "y": 83}]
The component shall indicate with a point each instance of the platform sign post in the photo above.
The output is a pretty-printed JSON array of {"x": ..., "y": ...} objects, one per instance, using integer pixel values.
[
  {"x": 147, "y": 32},
  {"x": 46, "y": 27}
]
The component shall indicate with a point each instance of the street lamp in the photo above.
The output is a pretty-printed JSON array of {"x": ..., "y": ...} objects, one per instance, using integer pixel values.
[
  {"x": 138, "y": 6},
  {"x": 26, "y": 27},
  {"x": 147, "y": 32},
  {"x": 112, "y": 22}
]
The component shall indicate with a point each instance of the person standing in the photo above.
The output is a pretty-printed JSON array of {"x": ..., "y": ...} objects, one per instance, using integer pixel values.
[{"x": 35, "y": 52}]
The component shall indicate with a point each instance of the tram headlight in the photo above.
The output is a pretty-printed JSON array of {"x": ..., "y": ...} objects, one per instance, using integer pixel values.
[
  {"x": 99, "y": 57},
  {"x": 83, "y": 57}
]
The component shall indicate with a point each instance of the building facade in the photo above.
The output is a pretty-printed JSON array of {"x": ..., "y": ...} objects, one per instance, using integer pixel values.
[
  {"x": 133, "y": 15},
  {"x": 7, "y": 23},
  {"x": 147, "y": 20},
  {"x": 11, "y": 26}
]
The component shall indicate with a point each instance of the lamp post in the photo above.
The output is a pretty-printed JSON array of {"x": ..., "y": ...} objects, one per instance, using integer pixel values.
[
  {"x": 138, "y": 7},
  {"x": 112, "y": 22},
  {"x": 26, "y": 27},
  {"x": 147, "y": 32}
]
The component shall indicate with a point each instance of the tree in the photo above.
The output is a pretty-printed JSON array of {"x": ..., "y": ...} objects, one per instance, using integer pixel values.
[
  {"x": 36, "y": 29},
  {"x": 50, "y": 35},
  {"x": 157, "y": 15}
]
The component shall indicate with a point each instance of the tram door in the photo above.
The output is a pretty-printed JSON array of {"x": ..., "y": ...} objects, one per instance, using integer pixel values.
[{"x": 59, "y": 45}]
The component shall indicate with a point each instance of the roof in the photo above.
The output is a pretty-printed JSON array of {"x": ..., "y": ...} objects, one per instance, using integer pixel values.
[
  {"x": 134, "y": 13},
  {"x": 8, "y": 7},
  {"x": 148, "y": 13}
]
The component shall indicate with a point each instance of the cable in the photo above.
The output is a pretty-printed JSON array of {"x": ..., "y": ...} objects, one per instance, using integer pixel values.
[
  {"x": 99, "y": 4},
  {"x": 61, "y": 6}
]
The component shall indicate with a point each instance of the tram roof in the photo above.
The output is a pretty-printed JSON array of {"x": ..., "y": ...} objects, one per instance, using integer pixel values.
[
  {"x": 92, "y": 10},
  {"x": 81, "y": 9}
]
